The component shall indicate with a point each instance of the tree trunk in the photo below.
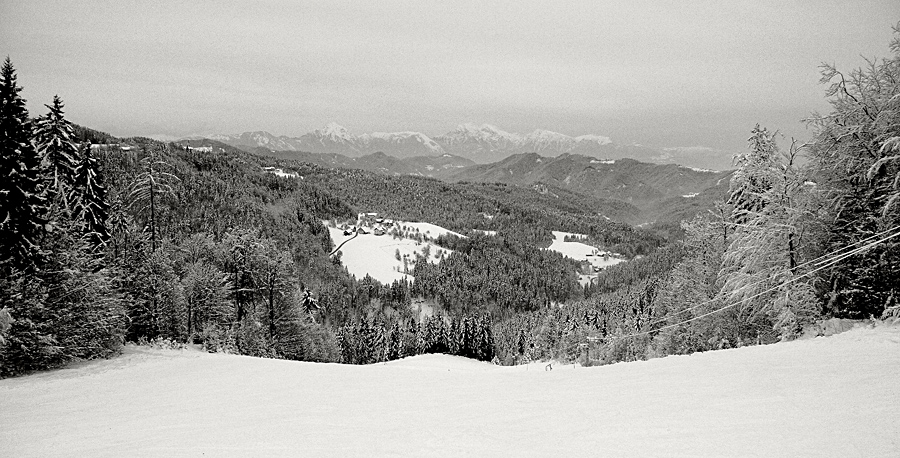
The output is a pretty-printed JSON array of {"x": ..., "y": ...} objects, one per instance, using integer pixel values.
[
  {"x": 152, "y": 216},
  {"x": 272, "y": 308},
  {"x": 792, "y": 255},
  {"x": 190, "y": 322}
]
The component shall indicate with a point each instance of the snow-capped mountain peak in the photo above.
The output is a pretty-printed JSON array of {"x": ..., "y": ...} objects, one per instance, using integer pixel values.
[
  {"x": 598, "y": 139},
  {"x": 547, "y": 135},
  {"x": 484, "y": 134},
  {"x": 401, "y": 143},
  {"x": 334, "y": 131}
]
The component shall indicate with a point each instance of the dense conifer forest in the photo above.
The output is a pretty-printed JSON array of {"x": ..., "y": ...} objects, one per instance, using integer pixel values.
[{"x": 108, "y": 240}]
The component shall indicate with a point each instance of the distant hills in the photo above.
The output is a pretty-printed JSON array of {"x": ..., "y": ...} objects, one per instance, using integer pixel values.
[
  {"x": 480, "y": 144},
  {"x": 627, "y": 180},
  {"x": 663, "y": 192},
  {"x": 428, "y": 166},
  {"x": 655, "y": 192}
]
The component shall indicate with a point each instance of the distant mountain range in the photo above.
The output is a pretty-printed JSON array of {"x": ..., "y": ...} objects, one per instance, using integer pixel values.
[{"x": 481, "y": 144}]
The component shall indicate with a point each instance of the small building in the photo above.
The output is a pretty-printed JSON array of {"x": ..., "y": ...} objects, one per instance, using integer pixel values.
[{"x": 280, "y": 172}]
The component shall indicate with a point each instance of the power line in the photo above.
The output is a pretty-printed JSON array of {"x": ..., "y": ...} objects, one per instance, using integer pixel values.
[
  {"x": 833, "y": 255},
  {"x": 822, "y": 265}
]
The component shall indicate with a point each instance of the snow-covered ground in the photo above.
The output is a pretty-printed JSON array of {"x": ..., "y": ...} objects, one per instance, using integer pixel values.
[
  {"x": 582, "y": 252},
  {"x": 377, "y": 255},
  {"x": 825, "y": 397},
  {"x": 431, "y": 231}
]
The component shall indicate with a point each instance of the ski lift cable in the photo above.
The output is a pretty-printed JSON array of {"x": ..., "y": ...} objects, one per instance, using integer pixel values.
[
  {"x": 797, "y": 278},
  {"x": 828, "y": 258}
]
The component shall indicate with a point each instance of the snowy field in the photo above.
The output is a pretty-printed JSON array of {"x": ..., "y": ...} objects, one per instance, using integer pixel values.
[
  {"x": 377, "y": 255},
  {"x": 581, "y": 251},
  {"x": 431, "y": 231},
  {"x": 824, "y": 397}
]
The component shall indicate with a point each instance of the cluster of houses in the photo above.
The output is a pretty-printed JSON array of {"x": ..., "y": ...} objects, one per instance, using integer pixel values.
[
  {"x": 368, "y": 223},
  {"x": 107, "y": 146},
  {"x": 279, "y": 172}
]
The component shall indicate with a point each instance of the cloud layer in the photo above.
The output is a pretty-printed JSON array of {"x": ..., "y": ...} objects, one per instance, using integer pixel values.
[{"x": 685, "y": 74}]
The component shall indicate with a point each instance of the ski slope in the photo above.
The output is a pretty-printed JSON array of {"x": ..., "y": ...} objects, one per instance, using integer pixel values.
[{"x": 824, "y": 397}]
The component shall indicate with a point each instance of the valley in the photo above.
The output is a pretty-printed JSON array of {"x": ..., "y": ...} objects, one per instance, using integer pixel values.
[
  {"x": 388, "y": 251},
  {"x": 644, "y": 192}
]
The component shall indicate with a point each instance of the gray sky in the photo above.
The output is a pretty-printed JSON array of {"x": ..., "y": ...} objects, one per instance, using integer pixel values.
[{"x": 663, "y": 73}]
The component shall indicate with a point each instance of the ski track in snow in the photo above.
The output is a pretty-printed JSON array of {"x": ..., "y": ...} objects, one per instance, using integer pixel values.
[{"x": 833, "y": 396}]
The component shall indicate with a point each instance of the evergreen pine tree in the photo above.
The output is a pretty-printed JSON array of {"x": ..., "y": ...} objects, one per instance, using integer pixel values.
[
  {"x": 54, "y": 138},
  {"x": 88, "y": 198},
  {"x": 23, "y": 207}
]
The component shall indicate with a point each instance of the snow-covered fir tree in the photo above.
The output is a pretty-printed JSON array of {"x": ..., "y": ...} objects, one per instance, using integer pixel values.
[
  {"x": 54, "y": 138},
  {"x": 23, "y": 206},
  {"x": 87, "y": 198}
]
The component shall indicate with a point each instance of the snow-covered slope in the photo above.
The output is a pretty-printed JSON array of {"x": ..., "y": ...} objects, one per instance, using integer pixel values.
[
  {"x": 598, "y": 259},
  {"x": 373, "y": 255},
  {"x": 401, "y": 144},
  {"x": 482, "y": 144},
  {"x": 825, "y": 397},
  {"x": 581, "y": 251}
]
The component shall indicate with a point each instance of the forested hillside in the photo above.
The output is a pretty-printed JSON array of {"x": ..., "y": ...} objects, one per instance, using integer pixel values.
[
  {"x": 523, "y": 214},
  {"x": 651, "y": 188},
  {"x": 378, "y": 162},
  {"x": 623, "y": 190}
]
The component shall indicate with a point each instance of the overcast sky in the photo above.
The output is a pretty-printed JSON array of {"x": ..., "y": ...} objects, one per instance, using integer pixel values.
[{"x": 662, "y": 73}]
